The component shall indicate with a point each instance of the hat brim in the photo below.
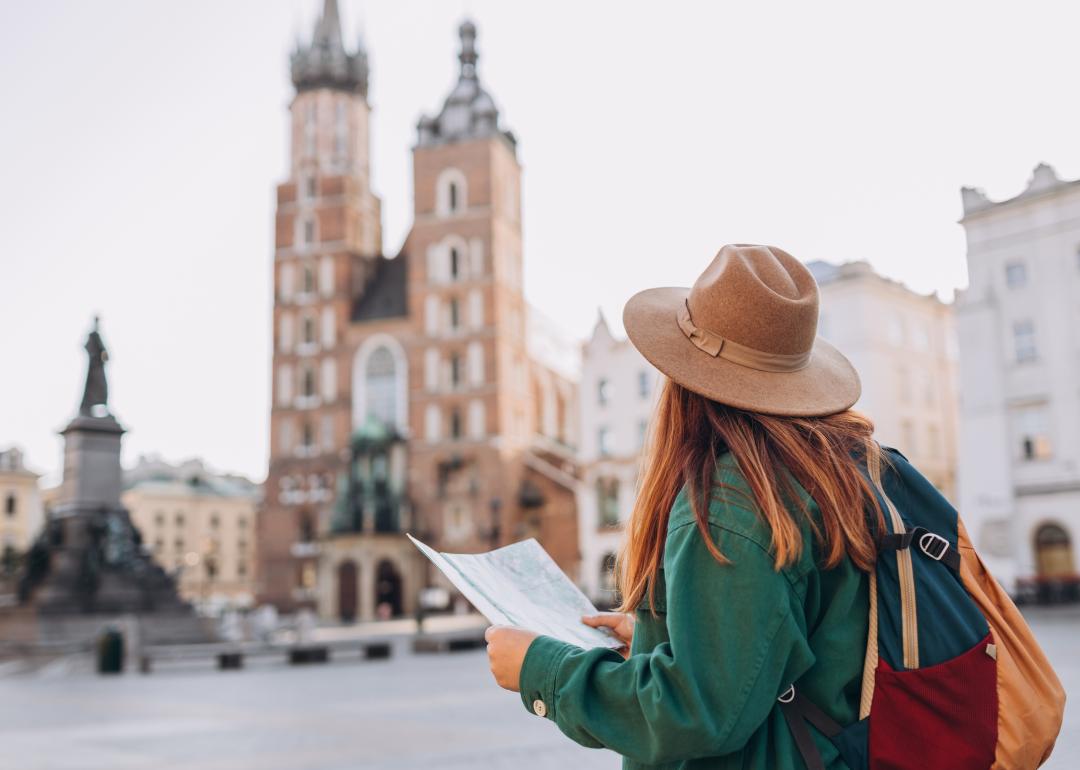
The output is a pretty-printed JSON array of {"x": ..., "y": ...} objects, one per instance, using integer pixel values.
[{"x": 827, "y": 385}]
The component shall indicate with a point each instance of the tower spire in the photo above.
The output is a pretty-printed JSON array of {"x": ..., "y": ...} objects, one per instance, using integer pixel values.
[
  {"x": 468, "y": 55},
  {"x": 325, "y": 63}
]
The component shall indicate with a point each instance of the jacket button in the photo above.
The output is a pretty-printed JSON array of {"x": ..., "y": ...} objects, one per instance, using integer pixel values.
[{"x": 539, "y": 708}]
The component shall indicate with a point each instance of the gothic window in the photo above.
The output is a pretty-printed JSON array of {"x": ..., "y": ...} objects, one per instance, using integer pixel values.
[
  {"x": 455, "y": 370},
  {"x": 309, "y": 381},
  {"x": 381, "y": 384},
  {"x": 451, "y": 193},
  {"x": 341, "y": 131}
]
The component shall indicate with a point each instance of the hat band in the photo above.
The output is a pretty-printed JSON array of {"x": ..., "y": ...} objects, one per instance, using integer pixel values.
[{"x": 715, "y": 345}]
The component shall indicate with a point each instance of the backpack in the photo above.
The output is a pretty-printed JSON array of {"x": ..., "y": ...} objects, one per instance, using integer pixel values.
[{"x": 953, "y": 678}]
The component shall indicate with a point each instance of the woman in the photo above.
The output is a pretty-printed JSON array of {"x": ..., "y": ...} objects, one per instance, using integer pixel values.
[{"x": 747, "y": 551}]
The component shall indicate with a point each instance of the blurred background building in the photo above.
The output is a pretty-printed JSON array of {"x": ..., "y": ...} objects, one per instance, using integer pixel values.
[
  {"x": 1019, "y": 326},
  {"x": 199, "y": 525},
  {"x": 407, "y": 392},
  {"x": 22, "y": 512},
  {"x": 903, "y": 345},
  {"x": 618, "y": 394}
]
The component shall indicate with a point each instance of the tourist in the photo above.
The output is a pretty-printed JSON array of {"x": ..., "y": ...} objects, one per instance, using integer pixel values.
[{"x": 762, "y": 580}]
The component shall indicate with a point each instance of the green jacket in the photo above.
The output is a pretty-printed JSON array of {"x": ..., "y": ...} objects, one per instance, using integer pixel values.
[{"x": 699, "y": 689}]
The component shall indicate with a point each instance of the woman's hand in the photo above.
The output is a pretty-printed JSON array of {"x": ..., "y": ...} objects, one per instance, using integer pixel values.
[
  {"x": 620, "y": 623},
  {"x": 506, "y": 652}
]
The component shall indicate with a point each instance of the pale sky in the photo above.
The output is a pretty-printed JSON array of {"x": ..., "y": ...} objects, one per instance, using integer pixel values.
[{"x": 140, "y": 143}]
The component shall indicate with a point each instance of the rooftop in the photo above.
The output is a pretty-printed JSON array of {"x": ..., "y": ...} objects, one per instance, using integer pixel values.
[
  {"x": 469, "y": 112},
  {"x": 324, "y": 62},
  {"x": 1044, "y": 179}
]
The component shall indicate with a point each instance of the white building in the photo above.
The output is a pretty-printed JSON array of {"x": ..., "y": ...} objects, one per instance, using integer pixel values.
[
  {"x": 1019, "y": 329},
  {"x": 903, "y": 344},
  {"x": 618, "y": 393}
]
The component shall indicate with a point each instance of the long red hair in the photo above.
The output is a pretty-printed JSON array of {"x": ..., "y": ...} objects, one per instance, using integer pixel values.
[{"x": 822, "y": 454}]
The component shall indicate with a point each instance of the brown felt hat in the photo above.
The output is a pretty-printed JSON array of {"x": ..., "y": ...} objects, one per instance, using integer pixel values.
[{"x": 745, "y": 334}]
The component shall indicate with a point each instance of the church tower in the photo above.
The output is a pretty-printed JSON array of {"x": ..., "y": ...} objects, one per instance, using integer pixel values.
[
  {"x": 471, "y": 406},
  {"x": 328, "y": 241}
]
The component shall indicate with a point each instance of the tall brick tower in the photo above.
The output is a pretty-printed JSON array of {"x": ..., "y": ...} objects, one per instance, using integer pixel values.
[
  {"x": 327, "y": 244},
  {"x": 472, "y": 407}
]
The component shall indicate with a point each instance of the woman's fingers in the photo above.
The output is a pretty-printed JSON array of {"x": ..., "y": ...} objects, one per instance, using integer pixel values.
[{"x": 608, "y": 619}]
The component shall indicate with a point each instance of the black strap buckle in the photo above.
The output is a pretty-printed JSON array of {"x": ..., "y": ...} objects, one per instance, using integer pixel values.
[{"x": 933, "y": 545}]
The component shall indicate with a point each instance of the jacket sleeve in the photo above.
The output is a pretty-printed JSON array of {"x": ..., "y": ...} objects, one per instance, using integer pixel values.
[{"x": 734, "y": 646}]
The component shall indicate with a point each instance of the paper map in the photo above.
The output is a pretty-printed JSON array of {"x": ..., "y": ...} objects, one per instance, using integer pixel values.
[{"x": 520, "y": 585}]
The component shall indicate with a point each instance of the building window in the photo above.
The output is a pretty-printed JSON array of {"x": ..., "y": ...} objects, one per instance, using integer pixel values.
[
  {"x": 310, "y": 189},
  {"x": 455, "y": 263},
  {"x": 1024, "y": 341},
  {"x": 603, "y": 391},
  {"x": 179, "y": 519},
  {"x": 306, "y": 532},
  {"x": 607, "y": 573},
  {"x": 477, "y": 429},
  {"x": 1053, "y": 551},
  {"x": 309, "y": 381},
  {"x": 455, "y": 313},
  {"x": 1032, "y": 432},
  {"x": 455, "y": 424},
  {"x": 1015, "y": 275},
  {"x": 455, "y": 370},
  {"x": 381, "y": 382},
  {"x": 178, "y": 545},
  {"x": 159, "y": 519},
  {"x": 603, "y": 441},
  {"x": 9, "y": 504},
  {"x": 242, "y": 523},
  {"x": 215, "y": 521},
  {"x": 309, "y": 280},
  {"x": 341, "y": 130},
  {"x": 432, "y": 427},
  {"x": 451, "y": 193},
  {"x": 309, "y": 330},
  {"x": 643, "y": 383},
  {"x": 307, "y": 437},
  {"x": 309, "y": 232},
  {"x": 607, "y": 501}
]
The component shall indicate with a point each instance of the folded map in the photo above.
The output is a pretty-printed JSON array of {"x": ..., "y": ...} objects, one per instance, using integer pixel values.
[{"x": 520, "y": 585}]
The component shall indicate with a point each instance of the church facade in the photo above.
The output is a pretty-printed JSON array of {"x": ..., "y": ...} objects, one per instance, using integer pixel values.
[{"x": 406, "y": 392}]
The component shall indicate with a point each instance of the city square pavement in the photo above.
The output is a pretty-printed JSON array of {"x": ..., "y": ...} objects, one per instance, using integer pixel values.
[{"x": 431, "y": 711}]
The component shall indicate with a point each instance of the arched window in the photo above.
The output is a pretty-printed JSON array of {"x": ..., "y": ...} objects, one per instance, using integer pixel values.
[
  {"x": 455, "y": 263},
  {"x": 309, "y": 280},
  {"x": 309, "y": 330},
  {"x": 309, "y": 381},
  {"x": 455, "y": 370},
  {"x": 455, "y": 313},
  {"x": 451, "y": 193},
  {"x": 381, "y": 382}
]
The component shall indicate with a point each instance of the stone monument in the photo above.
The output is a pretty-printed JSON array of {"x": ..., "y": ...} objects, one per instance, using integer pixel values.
[{"x": 88, "y": 567}]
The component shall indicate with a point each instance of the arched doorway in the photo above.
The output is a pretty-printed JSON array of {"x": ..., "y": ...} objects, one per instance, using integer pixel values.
[
  {"x": 387, "y": 590},
  {"x": 347, "y": 582},
  {"x": 1053, "y": 551}
]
